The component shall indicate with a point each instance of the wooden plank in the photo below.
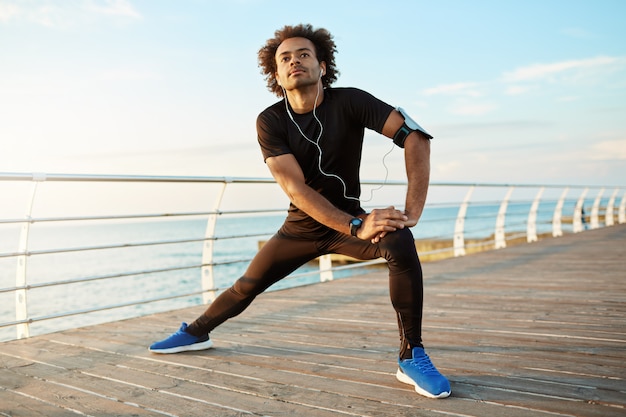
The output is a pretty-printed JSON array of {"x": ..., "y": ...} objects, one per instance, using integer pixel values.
[
  {"x": 68, "y": 397},
  {"x": 16, "y": 404},
  {"x": 170, "y": 394}
]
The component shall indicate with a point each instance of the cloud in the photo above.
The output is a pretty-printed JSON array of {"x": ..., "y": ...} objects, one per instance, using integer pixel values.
[
  {"x": 522, "y": 125},
  {"x": 516, "y": 90},
  {"x": 448, "y": 168},
  {"x": 566, "y": 99},
  {"x": 609, "y": 150},
  {"x": 471, "y": 108},
  {"x": 527, "y": 79},
  {"x": 464, "y": 95},
  {"x": 545, "y": 71},
  {"x": 129, "y": 75},
  {"x": 8, "y": 11},
  {"x": 114, "y": 8},
  {"x": 54, "y": 14},
  {"x": 460, "y": 89}
]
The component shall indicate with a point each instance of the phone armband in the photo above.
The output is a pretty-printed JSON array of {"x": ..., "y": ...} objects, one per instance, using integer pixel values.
[{"x": 407, "y": 127}]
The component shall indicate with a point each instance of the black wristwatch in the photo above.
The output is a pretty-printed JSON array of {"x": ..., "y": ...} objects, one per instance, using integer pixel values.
[{"x": 354, "y": 225}]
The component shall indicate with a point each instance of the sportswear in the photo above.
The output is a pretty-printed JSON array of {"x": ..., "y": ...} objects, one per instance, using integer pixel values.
[{"x": 344, "y": 114}]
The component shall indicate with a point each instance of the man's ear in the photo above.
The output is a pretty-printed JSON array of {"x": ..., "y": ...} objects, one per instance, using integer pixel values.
[{"x": 323, "y": 67}]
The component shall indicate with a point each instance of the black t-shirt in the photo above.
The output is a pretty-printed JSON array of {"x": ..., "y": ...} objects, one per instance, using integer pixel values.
[{"x": 344, "y": 114}]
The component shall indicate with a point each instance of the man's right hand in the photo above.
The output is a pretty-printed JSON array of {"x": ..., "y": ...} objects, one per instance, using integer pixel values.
[{"x": 379, "y": 222}]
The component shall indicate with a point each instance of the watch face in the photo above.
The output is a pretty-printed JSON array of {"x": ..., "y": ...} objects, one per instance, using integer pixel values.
[{"x": 355, "y": 224}]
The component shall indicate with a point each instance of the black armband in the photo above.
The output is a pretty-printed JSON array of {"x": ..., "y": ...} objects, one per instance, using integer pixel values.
[
  {"x": 407, "y": 127},
  {"x": 401, "y": 135}
]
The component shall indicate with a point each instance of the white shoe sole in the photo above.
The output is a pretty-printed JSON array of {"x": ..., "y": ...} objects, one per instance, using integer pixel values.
[
  {"x": 402, "y": 377},
  {"x": 196, "y": 346}
]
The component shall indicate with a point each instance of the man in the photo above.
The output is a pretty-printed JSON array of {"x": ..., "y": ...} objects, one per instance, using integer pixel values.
[{"x": 311, "y": 142}]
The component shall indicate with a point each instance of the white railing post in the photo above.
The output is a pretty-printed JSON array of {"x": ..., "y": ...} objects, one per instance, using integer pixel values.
[
  {"x": 208, "y": 273},
  {"x": 500, "y": 220},
  {"x": 558, "y": 213},
  {"x": 578, "y": 212},
  {"x": 595, "y": 211},
  {"x": 609, "y": 217},
  {"x": 21, "y": 299},
  {"x": 531, "y": 226},
  {"x": 459, "y": 227},
  {"x": 326, "y": 265},
  {"x": 621, "y": 217}
]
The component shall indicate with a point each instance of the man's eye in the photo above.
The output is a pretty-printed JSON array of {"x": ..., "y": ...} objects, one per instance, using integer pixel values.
[{"x": 304, "y": 55}]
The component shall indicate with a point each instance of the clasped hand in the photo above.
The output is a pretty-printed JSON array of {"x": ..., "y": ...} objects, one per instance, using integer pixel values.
[{"x": 380, "y": 222}]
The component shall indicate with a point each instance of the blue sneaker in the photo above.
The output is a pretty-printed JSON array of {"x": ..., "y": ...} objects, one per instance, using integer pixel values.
[
  {"x": 181, "y": 341},
  {"x": 421, "y": 373}
]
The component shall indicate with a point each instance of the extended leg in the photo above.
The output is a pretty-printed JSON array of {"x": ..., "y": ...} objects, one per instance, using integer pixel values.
[{"x": 278, "y": 258}]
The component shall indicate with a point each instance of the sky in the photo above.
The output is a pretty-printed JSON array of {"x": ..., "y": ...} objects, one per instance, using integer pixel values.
[{"x": 513, "y": 91}]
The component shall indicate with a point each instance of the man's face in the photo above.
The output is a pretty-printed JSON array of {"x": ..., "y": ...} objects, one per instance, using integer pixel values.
[{"x": 297, "y": 64}]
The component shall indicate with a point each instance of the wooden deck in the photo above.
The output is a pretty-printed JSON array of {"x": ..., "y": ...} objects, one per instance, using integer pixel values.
[{"x": 531, "y": 330}]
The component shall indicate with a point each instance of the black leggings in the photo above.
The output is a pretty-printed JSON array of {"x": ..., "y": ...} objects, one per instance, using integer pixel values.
[{"x": 283, "y": 254}]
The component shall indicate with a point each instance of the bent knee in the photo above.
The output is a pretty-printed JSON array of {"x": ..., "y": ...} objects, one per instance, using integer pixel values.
[
  {"x": 399, "y": 247},
  {"x": 400, "y": 240}
]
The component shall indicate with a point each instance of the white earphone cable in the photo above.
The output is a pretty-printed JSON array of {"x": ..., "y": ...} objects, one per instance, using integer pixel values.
[{"x": 319, "y": 149}]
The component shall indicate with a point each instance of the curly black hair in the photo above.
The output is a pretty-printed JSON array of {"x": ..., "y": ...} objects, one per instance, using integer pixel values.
[{"x": 324, "y": 50}]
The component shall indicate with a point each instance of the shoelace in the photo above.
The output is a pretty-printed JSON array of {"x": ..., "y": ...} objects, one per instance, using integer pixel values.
[{"x": 424, "y": 365}]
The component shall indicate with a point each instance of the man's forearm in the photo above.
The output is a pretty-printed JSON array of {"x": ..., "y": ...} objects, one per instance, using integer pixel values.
[
  {"x": 322, "y": 210},
  {"x": 417, "y": 160},
  {"x": 376, "y": 224}
]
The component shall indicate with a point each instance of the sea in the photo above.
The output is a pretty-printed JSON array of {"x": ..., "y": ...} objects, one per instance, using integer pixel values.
[{"x": 180, "y": 261}]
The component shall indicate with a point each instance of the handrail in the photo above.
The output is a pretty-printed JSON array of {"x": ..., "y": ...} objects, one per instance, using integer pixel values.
[
  {"x": 489, "y": 221},
  {"x": 42, "y": 177}
]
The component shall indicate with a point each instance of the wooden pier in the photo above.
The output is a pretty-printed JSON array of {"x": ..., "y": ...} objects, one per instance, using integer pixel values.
[{"x": 531, "y": 330}]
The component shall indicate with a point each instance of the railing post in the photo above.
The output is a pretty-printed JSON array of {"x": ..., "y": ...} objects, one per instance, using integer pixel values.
[
  {"x": 609, "y": 217},
  {"x": 531, "y": 227},
  {"x": 459, "y": 240},
  {"x": 21, "y": 299},
  {"x": 500, "y": 232},
  {"x": 595, "y": 210},
  {"x": 578, "y": 212},
  {"x": 326, "y": 265},
  {"x": 558, "y": 212},
  {"x": 621, "y": 218},
  {"x": 208, "y": 273}
]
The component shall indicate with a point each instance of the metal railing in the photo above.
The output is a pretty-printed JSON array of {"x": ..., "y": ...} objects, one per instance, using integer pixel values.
[{"x": 458, "y": 218}]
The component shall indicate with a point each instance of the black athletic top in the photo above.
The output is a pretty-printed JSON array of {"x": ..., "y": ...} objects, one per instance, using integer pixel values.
[{"x": 344, "y": 115}]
